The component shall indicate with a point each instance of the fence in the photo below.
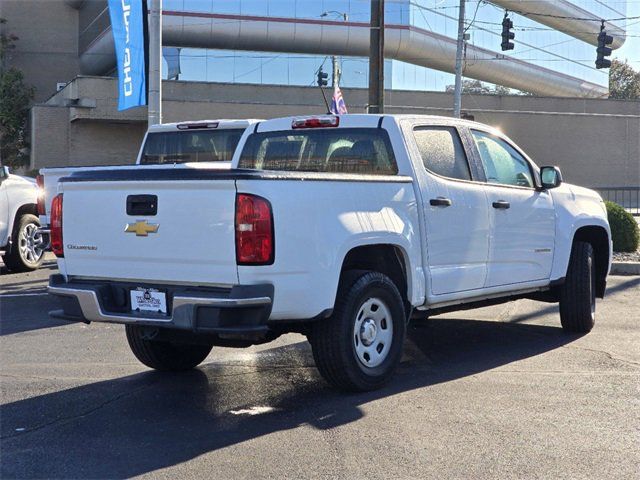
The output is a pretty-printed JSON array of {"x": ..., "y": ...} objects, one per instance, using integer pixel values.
[{"x": 628, "y": 197}]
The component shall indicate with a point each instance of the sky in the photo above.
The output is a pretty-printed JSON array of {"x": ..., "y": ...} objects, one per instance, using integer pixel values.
[{"x": 631, "y": 48}]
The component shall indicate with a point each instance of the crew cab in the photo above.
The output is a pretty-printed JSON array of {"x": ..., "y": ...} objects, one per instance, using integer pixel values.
[
  {"x": 210, "y": 141},
  {"x": 342, "y": 228},
  {"x": 21, "y": 245}
]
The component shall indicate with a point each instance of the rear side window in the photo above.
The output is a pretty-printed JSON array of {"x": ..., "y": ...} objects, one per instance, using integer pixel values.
[
  {"x": 442, "y": 152},
  {"x": 339, "y": 150},
  {"x": 190, "y": 146}
]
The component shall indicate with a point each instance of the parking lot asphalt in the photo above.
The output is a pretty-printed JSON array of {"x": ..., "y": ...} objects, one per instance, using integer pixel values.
[{"x": 498, "y": 392}]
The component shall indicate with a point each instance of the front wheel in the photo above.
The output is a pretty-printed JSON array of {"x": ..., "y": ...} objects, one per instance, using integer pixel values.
[
  {"x": 162, "y": 355},
  {"x": 27, "y": 252},
  {"x": 359, "y": 347},
  {"x": 578, "y": 294}
]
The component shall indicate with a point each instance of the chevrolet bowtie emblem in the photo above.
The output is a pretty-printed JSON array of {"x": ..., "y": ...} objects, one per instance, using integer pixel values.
[{"x": 141, "y": 228}]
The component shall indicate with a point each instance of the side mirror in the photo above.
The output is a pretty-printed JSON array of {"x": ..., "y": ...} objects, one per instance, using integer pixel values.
[
  {"x": 551, "y": 177},
  {"x": 4, "y": 172}
]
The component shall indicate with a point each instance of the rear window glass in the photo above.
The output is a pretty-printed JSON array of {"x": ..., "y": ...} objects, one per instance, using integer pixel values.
[
  {"x": 340, "y": 150},
  {"x": 190, "y": 146}
]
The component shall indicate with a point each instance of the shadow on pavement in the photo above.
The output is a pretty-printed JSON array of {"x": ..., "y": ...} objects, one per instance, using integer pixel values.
[
  {"x": 553, "y": 308},
  {"x": 148, "y": 421},
  {"x": 631, "y": 283},
  {"x": 23, "y": 314},
  {"x": 47, "y": 265}
]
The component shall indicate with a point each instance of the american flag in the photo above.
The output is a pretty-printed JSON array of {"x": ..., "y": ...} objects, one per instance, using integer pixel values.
[{"x": 338, "y": 107}]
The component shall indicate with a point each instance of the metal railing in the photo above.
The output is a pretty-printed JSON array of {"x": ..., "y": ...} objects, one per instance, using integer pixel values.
[{"x": 627, "y": 197}]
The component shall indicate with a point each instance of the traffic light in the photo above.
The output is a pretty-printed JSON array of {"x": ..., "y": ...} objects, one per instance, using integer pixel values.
[
  {"x": 507, "y": 34},
  {"x": 322, "y": 78},
  {"x": 603, "y": 50}
]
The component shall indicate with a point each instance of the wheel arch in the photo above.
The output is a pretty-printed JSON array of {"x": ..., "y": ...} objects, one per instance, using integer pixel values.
[
  {"x": 598, "y": 237},
  {"x": 387, "y": 258},
  {"x": 27, "y": 208},
  {"x": 31, "y": 208}
]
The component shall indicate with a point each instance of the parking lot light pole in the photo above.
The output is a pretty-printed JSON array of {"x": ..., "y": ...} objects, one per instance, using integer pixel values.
[{"x": 154, "y": 108}]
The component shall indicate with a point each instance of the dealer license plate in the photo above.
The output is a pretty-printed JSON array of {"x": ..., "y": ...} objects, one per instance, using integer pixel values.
[{"x": 148, "y": 300}]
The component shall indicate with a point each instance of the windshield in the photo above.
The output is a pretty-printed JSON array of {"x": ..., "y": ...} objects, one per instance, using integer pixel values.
[
  {"x": 190, "y": 146},
  {"x": 345, "y": 150}
]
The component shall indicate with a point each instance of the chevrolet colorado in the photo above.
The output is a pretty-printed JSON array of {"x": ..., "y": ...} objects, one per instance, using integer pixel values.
[{"x": 339, "y": 227}]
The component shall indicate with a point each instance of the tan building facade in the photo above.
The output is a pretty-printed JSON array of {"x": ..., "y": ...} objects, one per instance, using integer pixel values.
[{"x": 596, "y": 142}]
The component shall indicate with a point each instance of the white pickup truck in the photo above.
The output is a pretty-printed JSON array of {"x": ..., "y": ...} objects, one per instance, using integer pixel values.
[
  {"x": 341, "y": 228},
  {"x": 21, "y": 245},
  {"x": 167, "y": 144}
]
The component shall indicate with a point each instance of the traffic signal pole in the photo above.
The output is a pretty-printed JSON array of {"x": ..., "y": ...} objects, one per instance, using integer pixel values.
[
  {"x": 457, "y": 90},
  {"x": 322, "y": 82},
  {"x": 376, "y": 58}
]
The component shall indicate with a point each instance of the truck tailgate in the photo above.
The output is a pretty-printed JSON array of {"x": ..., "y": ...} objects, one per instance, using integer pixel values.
[{"x": 194, "y": 241}]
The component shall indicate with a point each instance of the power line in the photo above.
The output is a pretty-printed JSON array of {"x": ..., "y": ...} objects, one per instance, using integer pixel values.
[
  {"x": 531, "y": 47},
  {"x": 565, "y": 17}
]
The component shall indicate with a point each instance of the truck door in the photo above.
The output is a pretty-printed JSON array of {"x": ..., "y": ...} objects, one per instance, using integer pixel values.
[
  {"x": 455, "y": 209},
  {"x": 522, "y": 218}
]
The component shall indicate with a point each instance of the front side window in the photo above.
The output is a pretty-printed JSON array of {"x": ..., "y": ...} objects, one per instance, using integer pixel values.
[
  {"x": 502, "y": 163},
  {"x": 338, "y": 150},
  {"x": 442, "y": 152},
  {"x": 190, "y": 146}
]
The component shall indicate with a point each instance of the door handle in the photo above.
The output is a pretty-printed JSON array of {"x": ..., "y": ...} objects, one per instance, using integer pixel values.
[
  {"x": 440, "y": 202},
  {"x": 502, "y": 204}
]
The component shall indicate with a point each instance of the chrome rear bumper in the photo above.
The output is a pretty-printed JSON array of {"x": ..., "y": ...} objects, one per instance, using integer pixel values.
[{"x": 235, "y": 310}]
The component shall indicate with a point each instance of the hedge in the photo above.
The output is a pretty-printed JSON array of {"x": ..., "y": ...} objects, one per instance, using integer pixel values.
[{"x": 624, "y": 228}]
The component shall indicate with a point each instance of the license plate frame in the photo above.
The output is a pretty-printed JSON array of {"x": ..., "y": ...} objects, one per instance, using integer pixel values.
[{"x": 148, "y": 300}]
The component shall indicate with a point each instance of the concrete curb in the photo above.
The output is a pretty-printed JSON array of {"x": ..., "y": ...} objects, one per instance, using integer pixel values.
[{"x": 625, "y": 268}]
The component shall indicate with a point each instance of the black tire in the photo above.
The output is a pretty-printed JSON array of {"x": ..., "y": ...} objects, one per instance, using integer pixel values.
[
  {"x": 24, "y": 254},
  {"x": 333, "y": 340},
  {"x": 162, "y": 355},
  {"x": 577, "y": 295}
]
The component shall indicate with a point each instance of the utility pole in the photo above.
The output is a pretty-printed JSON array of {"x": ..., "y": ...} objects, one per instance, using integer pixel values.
[
  {"x": 457, "y": 92},
  {"x": 376, "y": 58},
  {"x": 335, "y": 77},
  {"x": 154, "y": 108}
]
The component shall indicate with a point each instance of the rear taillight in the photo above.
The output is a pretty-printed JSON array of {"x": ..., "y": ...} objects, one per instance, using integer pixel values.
[
  {"x": 254, "y": 230},
  {"x": 57, "y": 246},
  {"x": 40, "y": 183}
]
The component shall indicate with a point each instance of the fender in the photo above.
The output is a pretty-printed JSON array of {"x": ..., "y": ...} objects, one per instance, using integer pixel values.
[
  {"x": 576, "y": 208},
  {"x": 22, "y": 198}
]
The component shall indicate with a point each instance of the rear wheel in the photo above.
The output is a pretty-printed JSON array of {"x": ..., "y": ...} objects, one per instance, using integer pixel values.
[
  {"x": 163, "y": 355},
  {"x": 27, "y": 251},
  {"x": 359, "y": 347},
  {"x": 578, "y": 294}
]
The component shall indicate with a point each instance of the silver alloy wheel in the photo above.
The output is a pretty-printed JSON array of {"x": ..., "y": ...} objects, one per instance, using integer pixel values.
[
  {"x": 373, "y": 332},
  {"x": 30, "y": 244}
]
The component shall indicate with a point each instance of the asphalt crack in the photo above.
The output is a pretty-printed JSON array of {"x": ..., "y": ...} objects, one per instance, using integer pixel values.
[
  {"x": 70, "y": 418},
  {"x": 608, "y": 354}
]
